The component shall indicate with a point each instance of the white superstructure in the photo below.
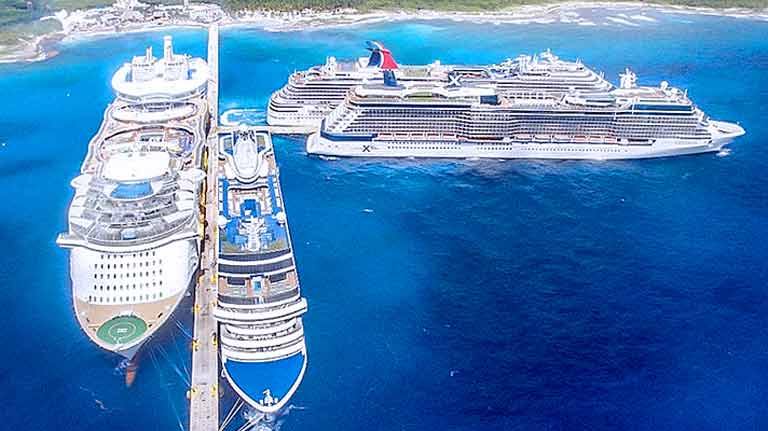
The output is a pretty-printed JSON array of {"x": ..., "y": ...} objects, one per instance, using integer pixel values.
[
  {"x": 259, "y": 304},
  {"x": 312, "y": 94},
  {"x": 455, "y": 120},
  {"x": 134, "y": 220}
]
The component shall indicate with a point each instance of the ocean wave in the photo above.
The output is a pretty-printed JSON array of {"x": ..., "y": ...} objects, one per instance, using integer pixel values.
[{"x": 621, "y": 21}]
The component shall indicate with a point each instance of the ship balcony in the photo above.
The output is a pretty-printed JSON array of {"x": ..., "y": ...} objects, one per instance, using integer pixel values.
[
  {"x": 254, "y": 331},
  {"x": 263, "y": 343},
  {"x": 262, "y": 355},
  {"x": 228, "y": 297},
  {"x": 253, "y": 315}
]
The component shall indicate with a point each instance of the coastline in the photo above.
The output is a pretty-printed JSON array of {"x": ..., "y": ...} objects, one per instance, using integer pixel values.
[{"x": 43, "y": 47}]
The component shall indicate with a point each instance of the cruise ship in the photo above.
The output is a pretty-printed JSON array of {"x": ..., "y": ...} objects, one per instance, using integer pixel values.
[
  {"x": 259, "y": 304},
  {"x": 397, "y": 119},
  {"x": 134, "y": 221},
  {"x": 312, "y": 94}
]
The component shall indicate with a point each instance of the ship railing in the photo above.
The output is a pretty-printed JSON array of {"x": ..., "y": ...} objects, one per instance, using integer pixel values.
[{"x": 97, "y": 234}]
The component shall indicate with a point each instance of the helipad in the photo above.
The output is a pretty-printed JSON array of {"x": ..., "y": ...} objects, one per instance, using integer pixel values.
[{"x": 122, "y": 330}]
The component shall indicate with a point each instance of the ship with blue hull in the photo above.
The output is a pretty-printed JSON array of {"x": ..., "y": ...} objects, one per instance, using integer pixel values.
[{"x": 259, "y": 303}]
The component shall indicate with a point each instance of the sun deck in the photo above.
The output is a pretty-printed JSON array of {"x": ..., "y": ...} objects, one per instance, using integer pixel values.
[{"x": 255, "y": 257}]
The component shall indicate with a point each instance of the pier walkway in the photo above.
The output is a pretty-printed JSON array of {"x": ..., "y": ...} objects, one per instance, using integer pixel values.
[{"x": 204, "y": 393}]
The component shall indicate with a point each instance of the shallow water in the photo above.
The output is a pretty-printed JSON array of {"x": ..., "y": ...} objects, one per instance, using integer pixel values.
[{"x": 443, "y": 294}]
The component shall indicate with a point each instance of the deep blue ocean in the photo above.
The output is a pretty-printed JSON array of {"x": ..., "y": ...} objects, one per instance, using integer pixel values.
[{"x": 444, "y": 295}]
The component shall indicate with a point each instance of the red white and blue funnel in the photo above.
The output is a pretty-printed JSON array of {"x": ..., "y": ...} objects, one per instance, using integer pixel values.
[{"x": 380, "y": 56}]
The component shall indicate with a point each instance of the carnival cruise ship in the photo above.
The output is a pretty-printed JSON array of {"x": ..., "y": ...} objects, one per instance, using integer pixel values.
[
  {"x": 134, "y": 220},
  {"x": 435, "y": 120},
  {"x": 259, "y": 305},
  {"x": 312, "y": 94}
]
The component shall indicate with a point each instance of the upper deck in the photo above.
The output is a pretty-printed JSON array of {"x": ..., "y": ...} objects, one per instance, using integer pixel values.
[
  {"x": 174, "y": 77},
  {"x": 110, "y": 210},
  {"x": 256, "y": 262}
]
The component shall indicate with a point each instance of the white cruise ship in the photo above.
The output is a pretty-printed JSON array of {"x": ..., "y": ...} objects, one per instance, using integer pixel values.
[
  {"x": 259, "y": 303},
  {"x": 134, "y": 220},
  {"x": 434, "y": 120},
  {"x": 312, "y": 94}
]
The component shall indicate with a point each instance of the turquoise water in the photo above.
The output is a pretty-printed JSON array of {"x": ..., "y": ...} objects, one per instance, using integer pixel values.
[{"x": 445, "y": 295}]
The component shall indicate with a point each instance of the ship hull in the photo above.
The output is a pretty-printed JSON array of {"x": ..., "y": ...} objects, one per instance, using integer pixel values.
[
  {"x": 109, "y": 325},
  {"x": 319, "y": 145},
  {"x": 253, "y": 380}
]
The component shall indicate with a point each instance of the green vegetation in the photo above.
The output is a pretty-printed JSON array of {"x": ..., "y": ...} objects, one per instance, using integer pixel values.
[{"x": 16, "y": 11}]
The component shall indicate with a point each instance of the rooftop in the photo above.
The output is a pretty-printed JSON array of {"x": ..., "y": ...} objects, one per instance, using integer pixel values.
[
  {"x": 136, "y": 166},
  {"x": 173, "y": 75}
]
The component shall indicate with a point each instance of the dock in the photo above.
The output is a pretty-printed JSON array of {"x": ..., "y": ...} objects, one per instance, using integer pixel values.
[{"x": 204, "y": 393}]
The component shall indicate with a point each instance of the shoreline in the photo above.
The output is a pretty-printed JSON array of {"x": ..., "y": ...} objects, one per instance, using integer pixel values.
[{"x": 42, "y": 47}]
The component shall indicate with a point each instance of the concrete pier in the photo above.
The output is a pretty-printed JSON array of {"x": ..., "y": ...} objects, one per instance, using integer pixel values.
[{"x": 204, "y": 393}]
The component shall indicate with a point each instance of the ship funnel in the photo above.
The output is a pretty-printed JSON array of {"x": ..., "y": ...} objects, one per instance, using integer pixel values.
[
  {"x": 149, "y": 54},
  {"x": 389, "y": 78},
  {"x": 380, "y": 56},
  {"x": 168, "y": 48},
  {"x": 628, "y": 79}
]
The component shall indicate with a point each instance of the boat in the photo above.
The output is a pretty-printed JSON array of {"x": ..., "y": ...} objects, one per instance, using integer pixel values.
[
  {"x": 133, "y": 223},
  {"x": 645, "y": 121},
  {"x": 259, "y": 304},
  {"x": 310, "y": 95}
]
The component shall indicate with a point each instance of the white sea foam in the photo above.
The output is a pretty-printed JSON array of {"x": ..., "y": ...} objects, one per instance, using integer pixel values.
[
  {"x": 724, "y": 152},
  {"x": 247, "y": 117},
  {"x": 645, "y": 18},
  {"x": 621, "y": 21}
]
